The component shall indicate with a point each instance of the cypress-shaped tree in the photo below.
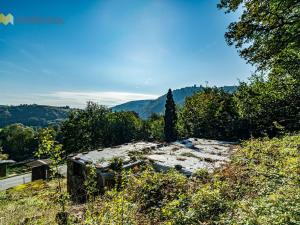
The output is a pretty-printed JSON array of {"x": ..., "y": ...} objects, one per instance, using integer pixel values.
[{"x": 170, "y": 118}]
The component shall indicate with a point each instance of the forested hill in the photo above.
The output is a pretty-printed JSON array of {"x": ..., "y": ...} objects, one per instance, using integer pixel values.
[
  {"x": 43, "y": 115},
  {"x": 146, "y": 107},
  {"x": 32, "y": 115}
]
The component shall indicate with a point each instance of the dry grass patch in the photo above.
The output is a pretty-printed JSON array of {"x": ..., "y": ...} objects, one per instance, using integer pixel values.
[{"x": 32, "y": 203}]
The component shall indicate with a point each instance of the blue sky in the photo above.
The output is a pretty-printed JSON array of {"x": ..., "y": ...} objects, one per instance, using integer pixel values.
[{"x": 113, "y": 51}]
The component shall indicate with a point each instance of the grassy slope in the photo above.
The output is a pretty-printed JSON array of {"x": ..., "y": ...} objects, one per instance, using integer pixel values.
[
  {"x": 31, "y": 203},
  {"x": 260, "y": 186}
]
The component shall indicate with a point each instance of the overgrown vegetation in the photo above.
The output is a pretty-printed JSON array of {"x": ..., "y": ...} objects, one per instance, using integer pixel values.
[
  {"x": 48, "y": 147},
  {"x": 259, "y": 186},
  {"x": 18, "y": 141},
  {"x": 32, "y": 203}
]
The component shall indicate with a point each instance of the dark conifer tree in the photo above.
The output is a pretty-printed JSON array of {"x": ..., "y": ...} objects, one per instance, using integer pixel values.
[{"x": 170, "y": 118}]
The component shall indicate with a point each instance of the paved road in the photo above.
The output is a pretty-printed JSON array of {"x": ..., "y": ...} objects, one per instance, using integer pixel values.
[
  {"x": 23, "y": 179},
  {"x": 15, "y": 181}
]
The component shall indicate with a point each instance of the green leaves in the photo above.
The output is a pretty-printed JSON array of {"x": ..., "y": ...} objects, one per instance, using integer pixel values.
[
  {"x": 265, "y": 31},
  {"x": 48, "y": 147},
  {"x": 210, "y": 114},
  {"x": 267, "y": 106},
  {"x": 18, "y": 141},
  {"x": 90, "y": 183},
  {"x": 96, "y": 127}
]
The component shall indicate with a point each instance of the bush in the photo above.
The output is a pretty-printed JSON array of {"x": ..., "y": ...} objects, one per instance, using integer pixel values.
[
  {"x": 153, "y": 190},
  {"x": 206, "y": 204},
  {"x": 116, "y": 209}
]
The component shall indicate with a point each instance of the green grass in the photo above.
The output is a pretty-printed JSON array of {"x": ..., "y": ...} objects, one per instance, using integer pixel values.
[
  {"x": 30, "y": 203},
  {"x": 260, "y": 185}
]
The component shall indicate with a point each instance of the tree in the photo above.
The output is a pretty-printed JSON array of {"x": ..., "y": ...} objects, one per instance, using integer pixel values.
[
  {"x": 267, "y": 33},
  {"x": 211, "y": 114},
  {"x": 96, "y": 127},
  {"x": 269, "y": 106},
  {"x": 123, "y": 127},
  {"x": 32, "y": 115},
  {"x": 48, "y": 147},
  {"x": 85, "y": 129},
  {"x": 170, "y": 118},
  {"x": 267, "y": 36},
  {"x": 18, "y": 141},
  {"x": 153, "y": 128}
]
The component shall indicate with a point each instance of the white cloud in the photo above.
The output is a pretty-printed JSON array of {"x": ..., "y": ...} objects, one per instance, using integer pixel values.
[
  {"x": 110, "y": 98},
  {"x": 74, "y": 99}
]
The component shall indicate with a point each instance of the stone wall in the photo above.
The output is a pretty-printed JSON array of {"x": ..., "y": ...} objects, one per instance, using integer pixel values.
[{"x": 76, "y": 176}]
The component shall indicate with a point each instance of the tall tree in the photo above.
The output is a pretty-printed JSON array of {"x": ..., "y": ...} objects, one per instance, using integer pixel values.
[
  {"x": 211, "y": 114},
  {"x": 267, "y": 33},
  {"x": 170, "y": 118}
]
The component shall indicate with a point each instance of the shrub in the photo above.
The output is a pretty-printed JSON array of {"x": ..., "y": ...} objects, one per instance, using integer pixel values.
[
  {"x": 206, "y": 204},
  {"x": 153, "y": 190},
  {"x": 116, "y": 209}
]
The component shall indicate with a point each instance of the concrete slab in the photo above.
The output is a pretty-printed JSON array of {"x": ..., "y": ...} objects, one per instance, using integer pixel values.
[{"x": 190, "y": 154}]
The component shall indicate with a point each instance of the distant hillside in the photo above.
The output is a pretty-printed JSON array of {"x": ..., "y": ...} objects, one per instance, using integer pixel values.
[
  {"x": 146, "y": 107},
  {"x": 32, "y": 115}
]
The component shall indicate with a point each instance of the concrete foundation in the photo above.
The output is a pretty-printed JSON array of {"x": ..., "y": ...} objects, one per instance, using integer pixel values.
[{"x": 188, "y": 155}]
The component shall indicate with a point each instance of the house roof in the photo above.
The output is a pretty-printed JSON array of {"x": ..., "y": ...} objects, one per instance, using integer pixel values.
[
  {"x": 191, "y": 154},
  {"x": 6, "y": 161},
  {"x": 39, "y": 162},
  {"x": 103, "y": 156}
]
